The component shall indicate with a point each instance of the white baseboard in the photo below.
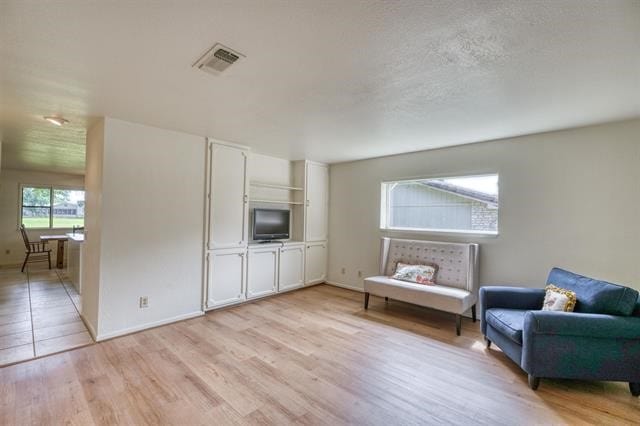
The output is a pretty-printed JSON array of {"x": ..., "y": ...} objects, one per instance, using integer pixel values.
[
  {"x": 148, "y": 325},
  {"x": 348, "y": 287}
]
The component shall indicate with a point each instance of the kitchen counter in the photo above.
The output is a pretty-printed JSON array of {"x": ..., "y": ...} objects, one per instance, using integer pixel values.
[
  {"x": 79, "y": 238},
  {"x": 75, "y": 259}
]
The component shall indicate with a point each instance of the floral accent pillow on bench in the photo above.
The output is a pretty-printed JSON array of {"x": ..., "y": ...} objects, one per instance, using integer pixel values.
[{"x": 419, "y": 274}]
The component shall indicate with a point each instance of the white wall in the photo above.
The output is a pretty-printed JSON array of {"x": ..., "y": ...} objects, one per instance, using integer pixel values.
[
  {"x": 267, "y": 169},
  {"x": 569, "y": 199},
  {"x": 10, "y": 238},
  {"x": 150, "y": 238},
  {"x": 92, "y": 225}
]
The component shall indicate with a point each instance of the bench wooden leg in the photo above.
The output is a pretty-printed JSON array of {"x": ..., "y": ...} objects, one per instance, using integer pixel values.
[
  {"x": 473, "y": 313},
  {"x": 458, "y": 324},
  {"x": 366, "y": 300}
]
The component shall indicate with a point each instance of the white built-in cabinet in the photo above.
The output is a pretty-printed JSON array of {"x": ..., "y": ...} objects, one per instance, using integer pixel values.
[
  {"x": 316, "y": 228},
  {"x": 228, "y": 199},
  {"x": 262, "y": 272},
  {"x": 226, "y": 222},
  {"x": 236, "y": 268},
  {"x": 226, "y": 272},
  {"x": 316, "y": 262},
  {"x": 274, "y": 268},
  {"x": 317, "y": 202},
  {"x": 291, "y": 267}
]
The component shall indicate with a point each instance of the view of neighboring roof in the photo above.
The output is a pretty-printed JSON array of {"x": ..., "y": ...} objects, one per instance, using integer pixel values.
[{"x": 441, "y": 185}]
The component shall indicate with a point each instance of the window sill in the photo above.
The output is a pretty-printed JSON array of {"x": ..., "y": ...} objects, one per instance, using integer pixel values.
[
  {"x": 47, "y": 229},
  {"x": 449, "y": 232}
]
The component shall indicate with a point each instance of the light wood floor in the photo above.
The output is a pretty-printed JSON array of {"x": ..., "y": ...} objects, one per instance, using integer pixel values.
[
  {"x": 38, "y": 314},
  {"x": 308, "y": 357}
]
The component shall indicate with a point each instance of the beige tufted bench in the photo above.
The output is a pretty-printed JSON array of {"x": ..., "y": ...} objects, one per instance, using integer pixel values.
[{"x": 456, "y": 288}]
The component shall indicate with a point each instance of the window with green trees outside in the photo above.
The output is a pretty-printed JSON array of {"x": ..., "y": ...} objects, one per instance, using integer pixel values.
[{"x": 51, "y": 207}]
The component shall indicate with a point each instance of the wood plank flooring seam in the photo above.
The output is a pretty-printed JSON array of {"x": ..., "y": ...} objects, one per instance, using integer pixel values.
[
  {"x": 33, "y": 336},
  {"x": 67, "y": 291}
]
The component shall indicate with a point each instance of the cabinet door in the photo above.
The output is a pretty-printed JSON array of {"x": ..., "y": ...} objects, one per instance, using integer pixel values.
[
  {"x": 225, "y": 277},
  {"x": 227, "y": 197},
  {"x": 291, "y": 268},
  {"x": 262, "y": 275},
  {"x": 317, "y": 203},
  {"x": 315, "y": 263}
]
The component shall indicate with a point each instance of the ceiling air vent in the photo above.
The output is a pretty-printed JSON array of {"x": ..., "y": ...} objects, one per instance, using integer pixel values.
[{"x": 217, "y": 59}]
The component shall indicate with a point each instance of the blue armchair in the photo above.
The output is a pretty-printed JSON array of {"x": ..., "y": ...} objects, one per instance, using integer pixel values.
[{"x": 600, "y": 340}]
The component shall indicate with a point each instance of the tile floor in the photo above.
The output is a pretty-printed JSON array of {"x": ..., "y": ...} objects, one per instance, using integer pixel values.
[{"x": 39, "y": 314}]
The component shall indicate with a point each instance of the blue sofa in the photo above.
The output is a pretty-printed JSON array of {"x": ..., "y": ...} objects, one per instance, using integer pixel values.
[{"x": 600, "y": 340}]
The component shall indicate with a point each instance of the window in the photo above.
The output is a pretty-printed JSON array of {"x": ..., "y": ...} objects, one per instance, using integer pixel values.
[
  {"x": 50, "y": 207},
  {"x": 466, "y": 204}
]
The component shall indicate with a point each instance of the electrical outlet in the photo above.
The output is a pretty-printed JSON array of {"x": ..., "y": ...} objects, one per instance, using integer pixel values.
[
  {"x": 344, "y": 271},
  {"x": 144, "y": 302}
]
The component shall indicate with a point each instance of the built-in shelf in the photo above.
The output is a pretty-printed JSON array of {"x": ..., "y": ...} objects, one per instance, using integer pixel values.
[
  {"x": 297, "y": 203},
  {"x": 274, "y": 186}
]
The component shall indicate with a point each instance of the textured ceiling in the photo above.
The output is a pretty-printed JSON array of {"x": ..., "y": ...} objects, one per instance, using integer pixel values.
[{"x": 327, "y": 80}]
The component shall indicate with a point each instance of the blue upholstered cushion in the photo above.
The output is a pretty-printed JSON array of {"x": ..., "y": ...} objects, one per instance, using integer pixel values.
[
  {"x": 595, "y": 296},
  {"x": 509, "y": 322}
]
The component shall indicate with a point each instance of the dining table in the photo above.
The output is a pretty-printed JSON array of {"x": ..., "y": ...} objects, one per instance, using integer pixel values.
[{"x": 60, "y": 252}]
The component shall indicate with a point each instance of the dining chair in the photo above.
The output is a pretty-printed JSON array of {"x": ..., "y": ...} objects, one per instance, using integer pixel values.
[{"x": 35, "y": 252}]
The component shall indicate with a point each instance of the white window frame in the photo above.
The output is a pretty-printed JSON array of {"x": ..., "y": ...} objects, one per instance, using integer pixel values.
[
  {"x": 385, "y": 189},
  {"x": 51, "y": 189}
]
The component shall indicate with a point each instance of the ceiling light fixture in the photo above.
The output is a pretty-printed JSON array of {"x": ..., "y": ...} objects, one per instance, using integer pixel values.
[{"x": 58, "y": 121}]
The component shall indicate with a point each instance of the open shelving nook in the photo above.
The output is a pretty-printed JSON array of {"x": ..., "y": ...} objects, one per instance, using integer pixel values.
[
  {"x": 276, "y": 186},
  {"x": 285, "y": 189}
]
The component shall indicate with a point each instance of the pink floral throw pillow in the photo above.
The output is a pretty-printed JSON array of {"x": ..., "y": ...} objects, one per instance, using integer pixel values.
[{"x": 419, "y": 274}]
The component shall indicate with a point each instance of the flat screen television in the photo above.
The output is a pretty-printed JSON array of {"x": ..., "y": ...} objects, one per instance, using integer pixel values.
[{"x": 270, "y": 224}]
